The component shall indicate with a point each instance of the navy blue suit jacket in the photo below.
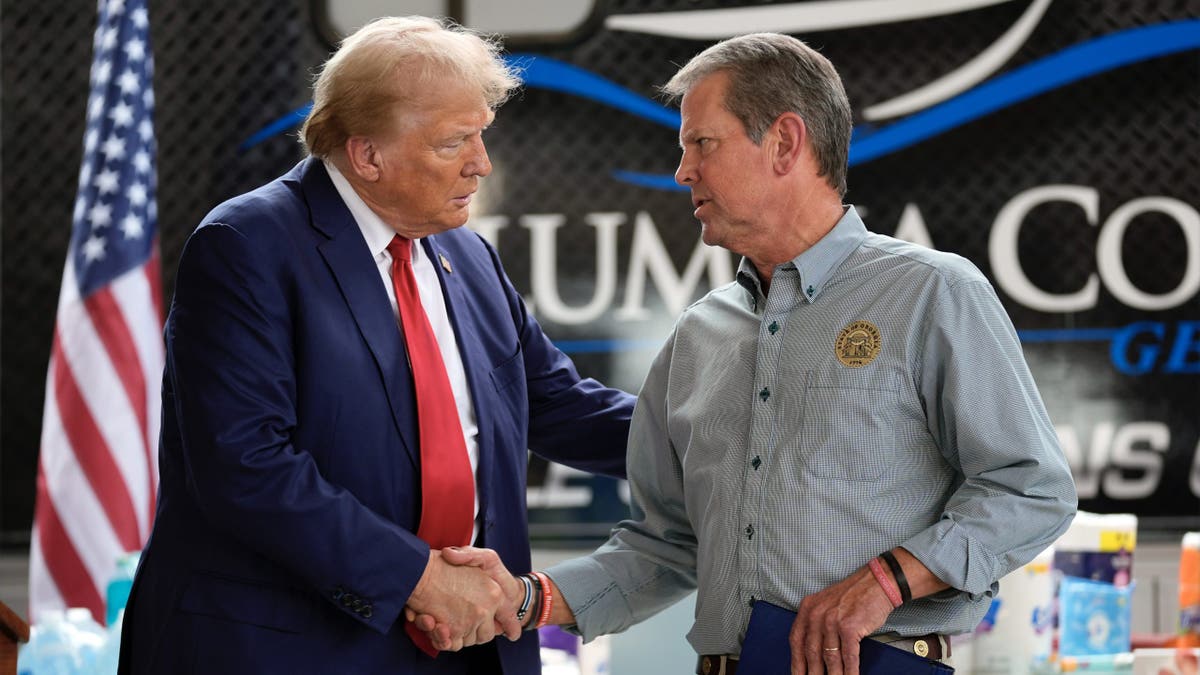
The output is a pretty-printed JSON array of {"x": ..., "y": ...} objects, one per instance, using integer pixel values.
[{"x": 290, "y": 492}]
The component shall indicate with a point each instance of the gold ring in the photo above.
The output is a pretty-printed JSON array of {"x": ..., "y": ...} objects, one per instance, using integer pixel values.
[{"x": 832, "y": 649}]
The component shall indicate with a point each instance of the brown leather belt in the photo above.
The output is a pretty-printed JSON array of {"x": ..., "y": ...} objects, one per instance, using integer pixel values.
[
  {"x": 933, "y": 646},
  {"x": 718, "y": 664}
]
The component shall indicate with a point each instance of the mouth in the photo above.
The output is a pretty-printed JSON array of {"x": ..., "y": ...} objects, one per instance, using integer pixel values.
[{"x": 463, "y": 200}]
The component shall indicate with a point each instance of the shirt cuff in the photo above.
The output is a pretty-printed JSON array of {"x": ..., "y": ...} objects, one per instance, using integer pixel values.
[
  {"x": 592, "y": 595},
  {"x": 956, "y": 558}
]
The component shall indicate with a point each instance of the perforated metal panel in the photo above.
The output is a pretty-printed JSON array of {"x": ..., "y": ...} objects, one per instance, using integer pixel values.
[{"x": 226, "y": 69}]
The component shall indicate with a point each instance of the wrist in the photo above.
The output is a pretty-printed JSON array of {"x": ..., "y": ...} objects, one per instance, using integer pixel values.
[{"x": 423, "y": 586}]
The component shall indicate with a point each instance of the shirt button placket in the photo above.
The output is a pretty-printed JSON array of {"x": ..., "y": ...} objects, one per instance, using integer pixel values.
[{"x": 762, "y": 439}]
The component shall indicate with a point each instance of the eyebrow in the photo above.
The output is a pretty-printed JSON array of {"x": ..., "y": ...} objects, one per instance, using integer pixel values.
[{"x": 692, "y": 134}]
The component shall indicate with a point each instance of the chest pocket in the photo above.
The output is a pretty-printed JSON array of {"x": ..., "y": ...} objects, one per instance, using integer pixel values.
[{"x": 849, "y": 424}]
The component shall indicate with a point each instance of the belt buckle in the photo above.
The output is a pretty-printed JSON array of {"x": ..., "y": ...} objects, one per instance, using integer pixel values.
[
  {"x": 717, "y": 664},
  {"x": 921, "y": 648}
]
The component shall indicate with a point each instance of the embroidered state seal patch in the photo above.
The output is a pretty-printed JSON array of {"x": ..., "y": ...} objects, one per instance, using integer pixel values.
[{"x": 858, "y": 344}]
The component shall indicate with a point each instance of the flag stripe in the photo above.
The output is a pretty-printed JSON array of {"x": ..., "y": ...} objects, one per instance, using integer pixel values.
[
  {"x": 109, "y": 323},
  {"x": 96, "y": 377},
  {"x": 61, "y": 559},
  {"x": 139, "y": 297},
  {"x": 97, "y": 469},
  {"x": 153, "y": 275},
  {"x": 77, "y": 505},
  {"x": 41, "y": 593},
  {"x": 91, "y": 451}
]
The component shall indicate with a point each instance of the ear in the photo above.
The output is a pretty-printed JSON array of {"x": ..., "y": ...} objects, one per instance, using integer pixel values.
[
  {"x": 789, "y": 133},
  {"x": 362, "y": 158}
]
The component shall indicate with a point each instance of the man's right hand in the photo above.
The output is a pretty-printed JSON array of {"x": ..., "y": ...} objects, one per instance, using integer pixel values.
[{"x": 463, "y": 599}]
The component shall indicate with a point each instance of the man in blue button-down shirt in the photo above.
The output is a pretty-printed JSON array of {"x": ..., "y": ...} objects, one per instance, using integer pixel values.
[{"x": 849, "y": 429}]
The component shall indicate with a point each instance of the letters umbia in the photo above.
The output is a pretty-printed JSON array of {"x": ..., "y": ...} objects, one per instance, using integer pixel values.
[{"x": 649, "y": 260}]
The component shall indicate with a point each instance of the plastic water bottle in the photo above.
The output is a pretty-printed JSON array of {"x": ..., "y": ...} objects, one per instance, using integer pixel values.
[
  {"x": 89, "y": 638},
  {"x": 1189, "y": 591},
  {"x": 51, "y": 648},
  {"x": 116, "y": 594},
  {"x": 110, "y": 654}
]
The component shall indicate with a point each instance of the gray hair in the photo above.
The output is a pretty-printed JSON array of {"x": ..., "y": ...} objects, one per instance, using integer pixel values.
[
  {"x": 770, "y": 74},
  {"x": 359, "y": 88}
]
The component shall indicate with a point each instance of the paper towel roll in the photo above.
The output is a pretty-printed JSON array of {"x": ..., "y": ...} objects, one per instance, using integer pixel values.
[
  {"x": 1098, "y": 547},
  {"x": 1015, "y": 636}
]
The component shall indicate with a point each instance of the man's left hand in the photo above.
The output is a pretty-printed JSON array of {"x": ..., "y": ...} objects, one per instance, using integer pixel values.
[{"x": 830, "y": 623}]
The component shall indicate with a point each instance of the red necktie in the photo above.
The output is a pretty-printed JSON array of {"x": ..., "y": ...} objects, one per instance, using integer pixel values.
[{"x": 447, "y": 485}]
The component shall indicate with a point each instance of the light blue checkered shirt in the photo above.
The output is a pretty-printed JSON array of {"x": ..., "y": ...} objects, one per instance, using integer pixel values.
[{"x": 763, "y": 467}]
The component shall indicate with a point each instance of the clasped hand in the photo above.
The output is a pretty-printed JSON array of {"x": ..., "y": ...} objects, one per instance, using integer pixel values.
[{"x": 466, "y": 597}]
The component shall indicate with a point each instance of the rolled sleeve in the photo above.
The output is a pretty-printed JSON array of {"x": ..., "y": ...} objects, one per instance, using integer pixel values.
[{"x": 1017, "y": 494}]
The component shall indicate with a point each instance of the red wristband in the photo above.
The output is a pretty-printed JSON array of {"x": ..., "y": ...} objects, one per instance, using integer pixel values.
[
  {"x": 544, "y": 615},
  {"x": 889, "y": 588}
]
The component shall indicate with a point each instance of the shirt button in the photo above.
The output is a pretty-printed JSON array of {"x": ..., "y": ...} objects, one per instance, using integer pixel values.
[
  {"x": 765, "y": 394},
  {"x": 774, "y": 327},
  {"x": 752, "y": 600},
  {"x": 750, "y": 531},
  {"x": 756, "y": 462},
  {"x": 810, "y": 290}
]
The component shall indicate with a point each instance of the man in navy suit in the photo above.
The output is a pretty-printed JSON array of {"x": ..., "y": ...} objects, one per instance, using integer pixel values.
[{"x": 293, "y": 443}]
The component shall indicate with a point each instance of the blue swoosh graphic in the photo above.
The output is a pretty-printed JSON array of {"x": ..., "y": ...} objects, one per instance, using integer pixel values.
[
  {"x": 1027, "y": 337},
  {"x": 546, "y": 73},
  {"x": 1057, "y": 70},
  {"x": 1054, "y": 71},
  {"x": 606, "y": 346},
  {"x": 279, "y": 126},
  {"x": 536, "y": 71},
  {"x": 1068, "y": 335}
]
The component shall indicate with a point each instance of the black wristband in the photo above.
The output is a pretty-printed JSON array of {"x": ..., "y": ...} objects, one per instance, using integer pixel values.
[
  {"x": 535, "y": 608},
  {"x": 898, "y": 572}
]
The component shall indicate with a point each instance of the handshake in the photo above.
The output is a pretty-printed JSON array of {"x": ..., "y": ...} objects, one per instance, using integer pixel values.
[{"x": 467, "y": 597}]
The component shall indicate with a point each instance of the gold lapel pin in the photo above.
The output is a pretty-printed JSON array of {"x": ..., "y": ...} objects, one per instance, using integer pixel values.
[{"x": 445, "y": 264}]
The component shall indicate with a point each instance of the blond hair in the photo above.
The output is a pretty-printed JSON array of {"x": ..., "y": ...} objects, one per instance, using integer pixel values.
[{"x": 394, "y": 61}]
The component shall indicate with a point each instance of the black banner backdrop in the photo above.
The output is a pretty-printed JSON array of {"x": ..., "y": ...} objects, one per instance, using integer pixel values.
[{"x": 1067, "y": 168}]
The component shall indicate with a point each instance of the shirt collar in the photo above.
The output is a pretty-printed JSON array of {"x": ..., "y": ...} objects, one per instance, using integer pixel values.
[
  {"x": 817, "y": 263},
  {"x": 376, "y": 232}
]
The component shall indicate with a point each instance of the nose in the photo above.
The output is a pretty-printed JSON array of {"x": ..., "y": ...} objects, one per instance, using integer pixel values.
[
  {"x": 479, "y": 164},
  {"x": 686, "y": 174}
]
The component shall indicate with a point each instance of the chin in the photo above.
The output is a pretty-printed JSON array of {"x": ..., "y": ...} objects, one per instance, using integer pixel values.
[{"x": 453, "y": 223}]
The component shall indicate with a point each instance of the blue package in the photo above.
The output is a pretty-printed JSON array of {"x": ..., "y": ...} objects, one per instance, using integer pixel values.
[{"x": 1094, "y": 617}]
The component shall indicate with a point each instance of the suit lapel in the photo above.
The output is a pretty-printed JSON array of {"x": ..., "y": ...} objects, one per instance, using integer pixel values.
[
  {"x": 455, "y": 288},
  {"x": 346, "y": 254}
]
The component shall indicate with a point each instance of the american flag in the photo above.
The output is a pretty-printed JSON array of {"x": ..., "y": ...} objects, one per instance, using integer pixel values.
[{"x": 98, "y": 469}]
